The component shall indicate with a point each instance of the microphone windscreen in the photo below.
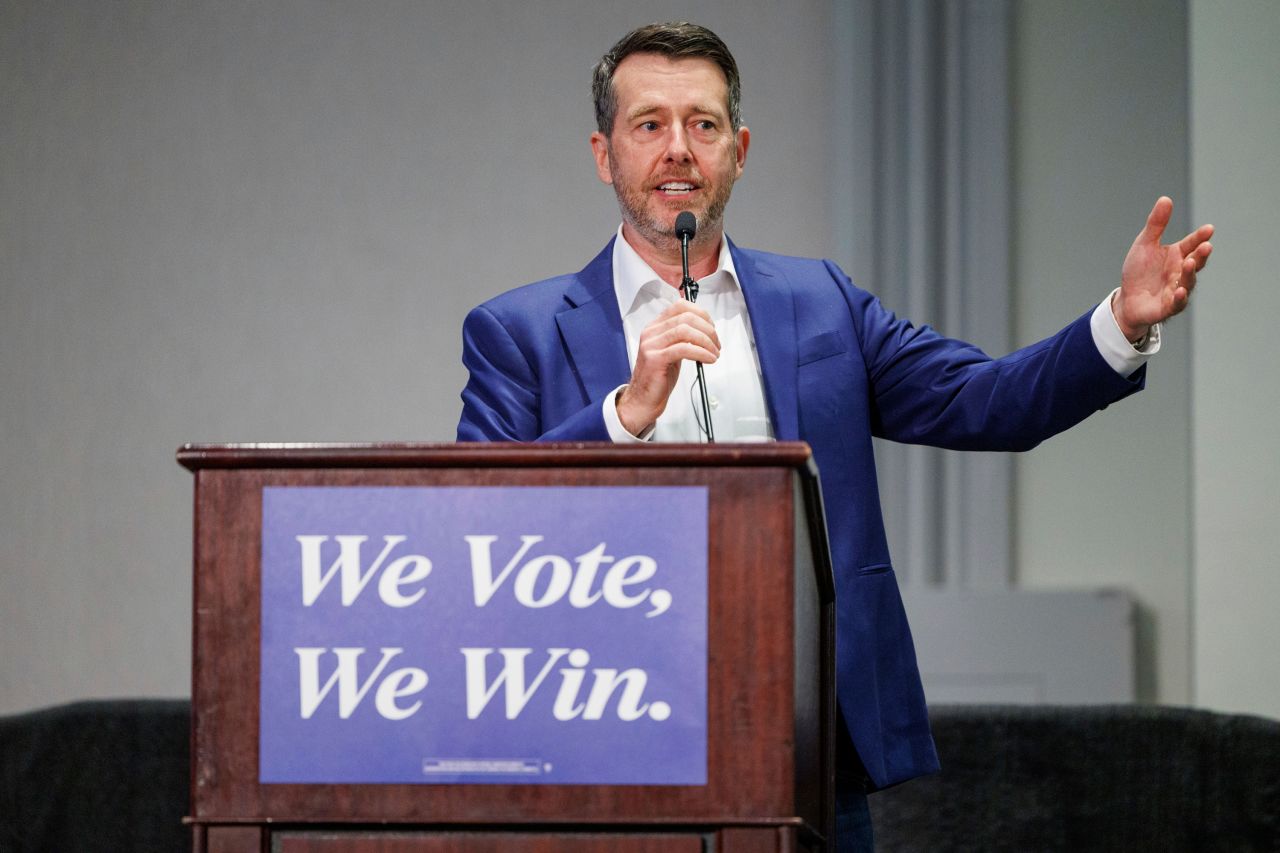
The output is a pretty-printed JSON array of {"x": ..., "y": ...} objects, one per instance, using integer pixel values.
[{"x": 686, "y": 224}]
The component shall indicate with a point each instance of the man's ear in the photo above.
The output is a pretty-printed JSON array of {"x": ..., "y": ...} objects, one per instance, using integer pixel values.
[
  {"x": 743, "y": 141},
  {"x": 600, "y": 150}
]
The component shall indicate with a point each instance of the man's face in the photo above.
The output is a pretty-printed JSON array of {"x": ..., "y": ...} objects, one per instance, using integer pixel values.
[{"x": 672, "y": 147}]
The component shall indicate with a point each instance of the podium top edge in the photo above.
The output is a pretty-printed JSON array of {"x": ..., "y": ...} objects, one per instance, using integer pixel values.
[{"x": 782, "y": 454}]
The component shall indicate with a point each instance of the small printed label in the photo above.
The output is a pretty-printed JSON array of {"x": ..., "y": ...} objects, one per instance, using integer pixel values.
[{"x": 500, "y": 766}]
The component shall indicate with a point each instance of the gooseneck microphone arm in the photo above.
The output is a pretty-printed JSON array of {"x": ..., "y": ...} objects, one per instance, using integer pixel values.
[{"x": 686, "y": 227}]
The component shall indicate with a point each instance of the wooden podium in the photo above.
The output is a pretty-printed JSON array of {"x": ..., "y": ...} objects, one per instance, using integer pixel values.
[{"x": 770, "y": 634}]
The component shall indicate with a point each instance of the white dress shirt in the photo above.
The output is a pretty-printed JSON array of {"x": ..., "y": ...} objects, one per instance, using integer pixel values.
[
  {"x": 735, "y": 388},
  {"x": 734, "y": 384}
]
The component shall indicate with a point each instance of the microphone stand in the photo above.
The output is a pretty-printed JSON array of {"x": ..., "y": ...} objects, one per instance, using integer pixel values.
[{"x": 689, "y": 289}]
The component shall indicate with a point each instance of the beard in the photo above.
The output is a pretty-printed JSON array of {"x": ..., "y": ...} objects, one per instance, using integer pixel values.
[{"x": 655, "y": 222}]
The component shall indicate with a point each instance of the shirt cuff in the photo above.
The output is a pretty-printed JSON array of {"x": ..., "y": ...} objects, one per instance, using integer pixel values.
[
  {"x": 1115, "y": 349},
  {"x": 617, "y": 432}
]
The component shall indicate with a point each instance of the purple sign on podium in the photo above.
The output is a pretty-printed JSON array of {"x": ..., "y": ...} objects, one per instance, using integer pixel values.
[{"x": 484, "y": 635}]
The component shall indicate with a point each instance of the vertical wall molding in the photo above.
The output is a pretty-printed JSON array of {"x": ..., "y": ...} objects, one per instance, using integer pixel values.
[{"x": 923, "y": 211}]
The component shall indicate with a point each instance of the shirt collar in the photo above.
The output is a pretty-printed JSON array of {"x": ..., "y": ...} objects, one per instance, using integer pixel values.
[{"x": 631, "y": 273}]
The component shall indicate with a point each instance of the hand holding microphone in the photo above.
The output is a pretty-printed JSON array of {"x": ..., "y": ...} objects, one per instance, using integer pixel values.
[{"x": 682, "y": 332}]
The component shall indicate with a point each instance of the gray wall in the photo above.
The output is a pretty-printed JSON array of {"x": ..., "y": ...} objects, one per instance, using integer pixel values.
[
  {"x": 264, "y": 221},
  {"x": 243, "y": 221},
  {"x": 1235, "y": 167},
  {"x": 1097, "y": 138}
]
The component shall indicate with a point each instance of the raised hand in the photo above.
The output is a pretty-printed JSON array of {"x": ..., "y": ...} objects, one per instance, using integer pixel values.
[
  {"x": 683, "y": 331},
  {"x": 1156, "y": 280}
]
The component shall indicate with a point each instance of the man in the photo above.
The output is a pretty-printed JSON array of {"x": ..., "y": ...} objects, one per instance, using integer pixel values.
[{"x": 792, "y": 350}]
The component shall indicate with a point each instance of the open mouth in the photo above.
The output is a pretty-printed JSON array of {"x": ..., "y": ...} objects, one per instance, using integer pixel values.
[{"x": 676, "y": 189}]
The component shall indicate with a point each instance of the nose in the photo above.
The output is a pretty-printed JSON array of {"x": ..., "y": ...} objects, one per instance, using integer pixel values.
[{"x": 678, "y": 145}]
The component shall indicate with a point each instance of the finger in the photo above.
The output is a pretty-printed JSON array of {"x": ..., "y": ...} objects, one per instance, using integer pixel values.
[
  {"x": 1157, "y": 220},
  {"x": 685, "y": 333},
  {"x": 668, "y": 333},
  {"x": 658, "y": 344},
  {"x": 1201, "y": 254},
  {"x": 1196, "y": 238},
  {"x": 667, "y": 359},
  {"x": 683, "y": 306},
  {"x": 689, "y": 351},
  {"x": 1189, "y": 274},
  {"x": 694, "y": 319}
]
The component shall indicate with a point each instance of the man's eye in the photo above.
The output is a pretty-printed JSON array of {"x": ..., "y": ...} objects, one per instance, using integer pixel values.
[
  {"x": 650, "y": 125},
  {"x": 706, "y": 124}
]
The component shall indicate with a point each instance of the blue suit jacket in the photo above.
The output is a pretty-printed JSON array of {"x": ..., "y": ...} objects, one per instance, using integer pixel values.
[{"x": 838, "y": 369}]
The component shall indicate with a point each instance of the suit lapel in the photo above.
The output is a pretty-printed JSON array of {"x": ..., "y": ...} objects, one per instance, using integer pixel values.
[
  {"x": 591, "y": 328},
  {"x": 773, "y": 323}
]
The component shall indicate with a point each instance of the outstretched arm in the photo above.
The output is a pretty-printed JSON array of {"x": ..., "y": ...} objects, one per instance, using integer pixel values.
[{"x": 1156, "y": 280}]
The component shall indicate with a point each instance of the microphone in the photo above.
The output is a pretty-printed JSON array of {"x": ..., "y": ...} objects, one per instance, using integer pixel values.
[{"x": 686, "y": 227}]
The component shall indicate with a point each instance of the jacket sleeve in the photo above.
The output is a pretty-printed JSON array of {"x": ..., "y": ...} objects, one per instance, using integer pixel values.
[
  {"x": 930, "y": 389},
  {"x": 502, "y": 400}
]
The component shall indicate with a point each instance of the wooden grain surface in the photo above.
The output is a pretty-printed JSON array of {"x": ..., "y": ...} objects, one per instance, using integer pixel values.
[{"x": 752, "y": 760}]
